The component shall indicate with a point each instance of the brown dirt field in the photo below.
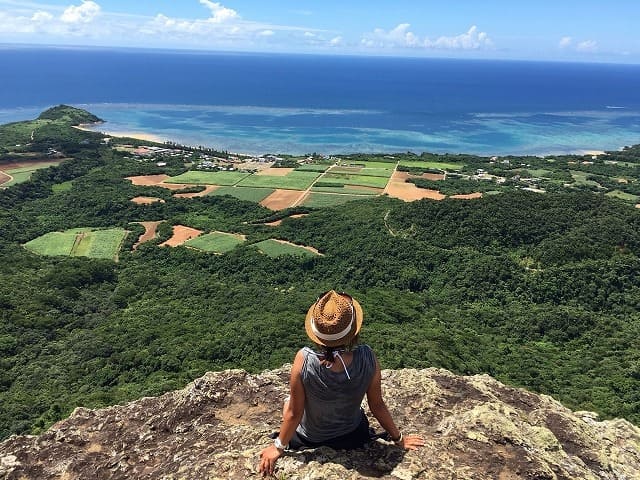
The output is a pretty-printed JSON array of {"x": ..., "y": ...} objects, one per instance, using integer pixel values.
[
  {"x": 311, "y": 249},
  {"x": 278, "y": 222},
  {"x": 281, "y": 199},
  {"x": 4, "y": 178},
  {"x": 180, "y": 235},
  {"x": 433, "y": 176},
  {"x": 206, "y": 191},
  {"x": 468, "y": 196},
  {"x": 409, "y": 192},
  {"x": 146, "y": 200},
  {"x": 148, "y": 180},
  {"x": 156, "y": 181},
  {"x": 149, "y": 232},
  {"x": 275, "y": 172},
  {"x": 399, "y": 176}
]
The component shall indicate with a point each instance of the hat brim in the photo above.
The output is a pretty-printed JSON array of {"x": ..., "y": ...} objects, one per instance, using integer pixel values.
[{"x": 355, "y": 329}]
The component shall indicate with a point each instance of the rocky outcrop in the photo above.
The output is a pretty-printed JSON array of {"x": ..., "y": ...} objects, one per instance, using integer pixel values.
[{"x": 475, "y": 428}]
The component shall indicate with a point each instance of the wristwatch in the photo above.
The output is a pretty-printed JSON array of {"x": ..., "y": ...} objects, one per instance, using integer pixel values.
[{"x": 279, "y": 445}]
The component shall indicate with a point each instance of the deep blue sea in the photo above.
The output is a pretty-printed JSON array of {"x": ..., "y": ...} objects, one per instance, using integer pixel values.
[{"x": 259, "y": 103}]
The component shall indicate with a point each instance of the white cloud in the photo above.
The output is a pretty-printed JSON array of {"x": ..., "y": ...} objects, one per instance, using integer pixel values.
[
  {"x": 309, "y": 34},
  {"x": 42, "y": 16},
  {"x": 267, "y": 33},
  {"x": 336, "y": 41},
  {"x": 588, "y": 46},
  {"x": 219, "y": 13},
  {"x": 402, "y": 37},
  {"x": 565, "y": 42},
  {"x": 83, "y": 13}
]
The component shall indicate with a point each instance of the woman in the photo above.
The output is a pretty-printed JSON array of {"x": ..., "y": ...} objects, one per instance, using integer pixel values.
[{"x": 327, "y": 388}]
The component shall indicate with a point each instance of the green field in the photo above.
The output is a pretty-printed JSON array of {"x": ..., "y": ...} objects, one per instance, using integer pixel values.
[
  {"x": 62, "y": 187},
  {"x": 337, "y": 179},
  {"x": 370, "y": 172},
  {"x": 273, "y": 248},
  {"x": 296, "y": 180},
  {"x": 320, "y": 200},
  {"x": 312, "y": 167},
  {"x": 370, "y": 164},
  {"x": 250, "y": 194},
  {"x": 431, "y": 165},
  {"x": 79, "y": 242},
  {"x": 217, "y": 242},
  {"x": 23, "y": 174},
  {"x": 208, "y": 178},
  {"x": 580, "y": 178},
  {"x": 623, "y": 195},
  {"x": 346, "y": 189}
]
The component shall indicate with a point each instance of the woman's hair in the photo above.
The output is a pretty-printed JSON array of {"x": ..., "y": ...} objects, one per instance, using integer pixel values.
[{"x": 329, "y": 353}]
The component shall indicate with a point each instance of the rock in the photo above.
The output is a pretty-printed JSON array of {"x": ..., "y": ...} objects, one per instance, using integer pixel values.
[{"x": 474, "y": 427}]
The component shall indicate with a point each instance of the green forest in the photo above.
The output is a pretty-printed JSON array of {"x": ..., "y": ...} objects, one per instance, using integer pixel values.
[{"x": 541, "y": 291}]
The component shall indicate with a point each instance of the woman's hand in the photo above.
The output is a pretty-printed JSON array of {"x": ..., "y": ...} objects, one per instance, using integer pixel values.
[
  {"x": 268, "y": 458},
  {"x": 411, "y": 442}
]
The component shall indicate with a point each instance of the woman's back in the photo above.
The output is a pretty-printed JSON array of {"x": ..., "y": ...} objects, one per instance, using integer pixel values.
[{"x": 333, "y": 398}]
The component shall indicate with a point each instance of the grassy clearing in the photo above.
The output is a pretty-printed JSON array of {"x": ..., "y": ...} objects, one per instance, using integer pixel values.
[
  {"x": 623, "y": 195},
  {"x": 431, "y": 165},
  {"x": 250, "y": 194},
  {"x": 273, "y": 248},
  {"x": 217, "y": 242},
  {"x": 296, "y": 180},
  {"x": 370, "y": 164},
  {"x": 320, "y": 200},
  {"x": 79, "y": 242},
  {"x": 580, "y": 178},
  {"x": 539, "y": 172},
  {"x": 337, "y": 179},
  {"x": 62, "y": 187},
  {"x": 208, "y": 178},
  {"x": 18, "y": 178}
]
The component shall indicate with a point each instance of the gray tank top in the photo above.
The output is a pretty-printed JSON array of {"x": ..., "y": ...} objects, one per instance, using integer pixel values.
[{"x": 332, "y": 400}]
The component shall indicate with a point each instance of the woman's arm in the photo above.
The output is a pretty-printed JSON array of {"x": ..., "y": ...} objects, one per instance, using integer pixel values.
[
  {"x": 291, "y": 416},
  {"x": 381, "y": 412}
]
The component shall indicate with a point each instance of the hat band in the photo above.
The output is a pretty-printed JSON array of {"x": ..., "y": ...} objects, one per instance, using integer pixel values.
[{"x": 330, "y": 336}]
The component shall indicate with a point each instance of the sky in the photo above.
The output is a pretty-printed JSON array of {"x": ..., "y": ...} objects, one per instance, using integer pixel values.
[{"x": 558, "y": 30}]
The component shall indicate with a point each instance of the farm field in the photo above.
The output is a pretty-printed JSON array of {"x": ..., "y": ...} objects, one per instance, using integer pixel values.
[
  {"x": 250, "y": 194},
  {"x": 312, "y": 167},
  {"x": 434, "y": 165},
  {"x": 23, "y": 174},
  {"x": 276, "y": 248},
  {"x": 208, "y": 178},
  {"x": 368, "y": 164},
  {"x": 295, "y": 180},
  {"x": 320, "y": 200},
  {"x": 349, "y": 189},
  {"x": 217, "y": 242},
  {"x": 79, "y": 242},
  {"x": 371, "y": 172},
  {"x": 339, "y": 179}
]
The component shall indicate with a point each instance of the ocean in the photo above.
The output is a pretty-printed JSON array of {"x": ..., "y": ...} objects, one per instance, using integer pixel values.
[{"x": 274, "y": 103}]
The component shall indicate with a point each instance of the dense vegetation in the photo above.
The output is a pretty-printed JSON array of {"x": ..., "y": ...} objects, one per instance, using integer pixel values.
[{"x": 540, "y": 291}]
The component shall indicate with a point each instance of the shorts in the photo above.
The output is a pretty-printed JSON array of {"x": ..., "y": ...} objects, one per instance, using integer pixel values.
[{"x": 349, "y": 441}]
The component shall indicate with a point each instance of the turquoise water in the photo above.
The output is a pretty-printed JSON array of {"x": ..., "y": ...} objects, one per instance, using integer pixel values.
[{"x": 302, "y": 104}]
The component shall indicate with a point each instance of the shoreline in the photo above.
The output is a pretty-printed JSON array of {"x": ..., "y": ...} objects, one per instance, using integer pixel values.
[{"x": 148, "y": 137}]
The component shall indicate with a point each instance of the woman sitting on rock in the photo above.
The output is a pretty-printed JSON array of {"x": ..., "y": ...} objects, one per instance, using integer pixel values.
[{"x": 327, "y": 388}]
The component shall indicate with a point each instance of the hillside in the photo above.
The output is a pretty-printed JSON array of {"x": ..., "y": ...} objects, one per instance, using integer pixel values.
[
  {"x": 538, "y": 290},
  {"x": 475, "y": 429}
]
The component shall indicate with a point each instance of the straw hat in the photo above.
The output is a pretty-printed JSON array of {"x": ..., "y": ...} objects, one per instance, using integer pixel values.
[{"x": 334, "y": 319}]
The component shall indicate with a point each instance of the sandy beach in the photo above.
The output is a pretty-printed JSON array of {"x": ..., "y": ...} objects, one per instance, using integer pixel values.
[{"x": 149, "y": 137}]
